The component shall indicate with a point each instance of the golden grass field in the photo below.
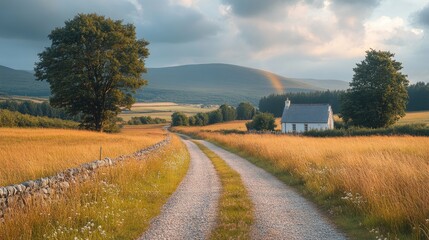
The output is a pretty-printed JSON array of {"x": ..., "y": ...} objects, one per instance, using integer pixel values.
[
  {"x": 117, "y": 204},
  {"x": 415, "y": 117},
  {"x": 163, "y": 110},
  {"x": 33, "y": 153},
  {"x": 383, "y": 179}
]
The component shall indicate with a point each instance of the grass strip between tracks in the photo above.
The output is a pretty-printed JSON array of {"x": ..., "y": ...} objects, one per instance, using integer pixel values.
[{"x": 235, "y": 209}]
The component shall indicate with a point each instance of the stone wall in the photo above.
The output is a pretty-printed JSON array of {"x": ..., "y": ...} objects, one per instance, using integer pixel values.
[{"x": 46, "y": 189}]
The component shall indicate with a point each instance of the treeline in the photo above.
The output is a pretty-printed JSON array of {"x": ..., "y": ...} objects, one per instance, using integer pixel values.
[
  {"x": 418, "y": 99},
  {"x": 145, "y": 120},
  {"x": 43, "y": 109},
  {"x": 224, "y": 113},
  {"x": 16, "y": 119}
]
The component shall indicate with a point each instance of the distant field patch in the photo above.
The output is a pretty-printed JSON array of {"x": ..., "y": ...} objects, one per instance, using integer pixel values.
[
  {"x": 415, "y": 117},
  {"x": 164, "y": 110},
  {"x": 33, "y": 153}
]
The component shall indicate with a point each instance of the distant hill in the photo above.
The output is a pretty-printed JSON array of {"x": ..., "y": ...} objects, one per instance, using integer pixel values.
[
  {"x": 201, "y": 83},
  {"x": 19, "y": 82}
]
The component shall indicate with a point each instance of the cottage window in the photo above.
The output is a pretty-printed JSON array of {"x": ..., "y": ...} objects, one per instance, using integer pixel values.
[
  {"x": 306, "y": 127},
  {"x": 293, "y": 127}
]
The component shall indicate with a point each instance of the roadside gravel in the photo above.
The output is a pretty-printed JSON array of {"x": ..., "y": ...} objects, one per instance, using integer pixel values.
[
  {"x": 280, "y": 212},
  {"x": 191, "y": 211}
]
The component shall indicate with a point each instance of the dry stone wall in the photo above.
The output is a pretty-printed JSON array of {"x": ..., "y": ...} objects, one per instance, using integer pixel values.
[{"x": 46, "y": 189}]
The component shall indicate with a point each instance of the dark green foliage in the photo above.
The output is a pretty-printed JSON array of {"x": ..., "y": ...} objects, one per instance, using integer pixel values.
[
  {"x": 275, "y": 103},
  {"x": 37, "y": 109},
  {"x": 245, "y": 111},
  {"x": 215, "y": 117},
  {"x": 228, "y": 113},
  {"x": 418, "y": 97},
  {"x": 261, "y": 122},
  {"x": 192, "y": 120},
  {"x": 413, "y": 130},
  {"x": 16, "y": 119},
  {"x": 145, "y": 120},
  {"x": 378, "y": 94},
  {"x": 201, "y": 119},
  {"x": 179, "y": 119},
  {"x": 93, "y": 66}
]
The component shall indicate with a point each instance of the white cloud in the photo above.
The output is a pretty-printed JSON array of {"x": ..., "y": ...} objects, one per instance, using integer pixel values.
[{"x": 387, "y": 33}]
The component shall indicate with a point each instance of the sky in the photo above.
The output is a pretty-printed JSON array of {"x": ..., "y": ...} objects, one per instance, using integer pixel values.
[{"x": 320, "y": 39}]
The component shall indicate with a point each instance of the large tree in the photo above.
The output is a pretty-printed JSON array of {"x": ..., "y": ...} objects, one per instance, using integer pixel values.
[
  {"x": 378, "y": 94},
  {"x": 93, "y": 66}
]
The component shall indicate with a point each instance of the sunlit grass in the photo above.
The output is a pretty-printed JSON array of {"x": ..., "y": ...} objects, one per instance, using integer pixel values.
[
  {"x": 235, "y": 207},
  {"x": 383, "y": 181},
  {"x": 117, "y": 204},
  {"x": 33, "y": 153},
  {"x": 415, "y": 117}
]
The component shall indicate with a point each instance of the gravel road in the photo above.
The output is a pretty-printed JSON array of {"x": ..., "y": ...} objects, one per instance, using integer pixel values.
[
  {"x": 280, "y": 213},
  {"x": 191, "y": 211}
]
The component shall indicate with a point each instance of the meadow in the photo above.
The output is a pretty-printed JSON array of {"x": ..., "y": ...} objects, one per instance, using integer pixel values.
[
  {"x": 375, "y": 184},
  {"x": 33, "y": 153},
  {"x": 117, "y": 204}
]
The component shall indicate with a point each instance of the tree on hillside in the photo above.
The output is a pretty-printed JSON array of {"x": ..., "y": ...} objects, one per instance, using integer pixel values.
[
  {"x": 93, "y": 66},
  {"x": 245, "y": 111},
  {"x": 378, "y": 93},
  {"x": 228, "y": 112},
  {"x": 262, "y": 121}
]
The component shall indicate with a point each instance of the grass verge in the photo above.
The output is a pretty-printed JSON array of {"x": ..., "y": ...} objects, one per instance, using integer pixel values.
[
  {"x": 118, "y": 204},
  {"x": 235, "y": 207}
]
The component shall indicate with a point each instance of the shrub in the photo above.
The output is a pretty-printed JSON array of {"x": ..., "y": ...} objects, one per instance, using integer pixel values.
[
  {"x": 179, "y": 119},
  {"x": 262, "y": 121}
]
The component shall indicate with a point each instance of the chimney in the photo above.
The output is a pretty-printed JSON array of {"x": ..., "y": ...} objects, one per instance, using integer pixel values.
[{"x": 287, "y": 103}]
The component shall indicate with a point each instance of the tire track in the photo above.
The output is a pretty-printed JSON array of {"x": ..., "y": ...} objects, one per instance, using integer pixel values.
[
  {"x": 280, "y": 212},
  {"x": 191, "y": 211}
]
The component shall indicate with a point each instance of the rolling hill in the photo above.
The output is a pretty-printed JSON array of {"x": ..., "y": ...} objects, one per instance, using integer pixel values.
[{"x": 201, "y": 83}]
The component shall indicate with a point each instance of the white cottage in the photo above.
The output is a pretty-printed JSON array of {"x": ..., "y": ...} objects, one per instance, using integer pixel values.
[{"x": 299, "y": 118}]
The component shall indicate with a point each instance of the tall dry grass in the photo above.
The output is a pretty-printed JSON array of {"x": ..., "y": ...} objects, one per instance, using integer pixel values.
[
  {"x": 33, "y": 153},
  {"x": 384, "y": 179},
  {"x": 118, "y": 204}
]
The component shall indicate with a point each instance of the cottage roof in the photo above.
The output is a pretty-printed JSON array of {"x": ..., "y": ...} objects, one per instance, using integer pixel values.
[{"x": 306, "y": 113}]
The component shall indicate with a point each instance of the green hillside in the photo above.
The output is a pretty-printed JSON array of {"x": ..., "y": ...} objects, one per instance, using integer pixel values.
[
  {"x": 18, "y": 82},
  {"x": 202, "y": 83}
]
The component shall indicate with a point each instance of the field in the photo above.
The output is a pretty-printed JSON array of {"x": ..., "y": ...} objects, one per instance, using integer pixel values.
[
  {"x": 376, "y": 182},
  {"x": 33, "y": 153},
  {"x": 163, "y": 110},
  {"x": 117, "y": 204},
  {"x": 415, "y": 117}
]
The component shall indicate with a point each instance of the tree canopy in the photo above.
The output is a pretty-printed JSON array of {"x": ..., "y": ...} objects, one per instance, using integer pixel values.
[
  {"x": 93, "y": 66},
  {"x": 245, "y": 111},
  {"x": 378, "y": 93}
]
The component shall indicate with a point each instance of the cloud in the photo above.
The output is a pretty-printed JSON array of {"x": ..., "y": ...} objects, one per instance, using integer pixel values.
[
  {"x": 169, "y": 22},
  {"x": 249, "y": 8},
  {"x": 34, "y": 20},
  {"x": 423, "y": 16},
  {"x": 161, "y": 20},
  {"x": 352, "y": 14}
]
